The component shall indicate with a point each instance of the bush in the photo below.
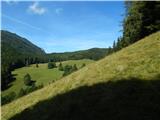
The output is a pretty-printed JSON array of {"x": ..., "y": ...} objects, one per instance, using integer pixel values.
[
  {"x": 8, "y": 98},
  {"x": 21, "y": 93},
  {"x": 27, "y": 80},
  {"x": 37, "y": 65},
  {"x": 74, "y": 68},
  {"x": 12, "y": 96},
  {"x": 83, "y": 65},
  {"x": 69, "y": 69},
  {"x": 60, "y": 67},
  {"x": 51, "y": 65}
]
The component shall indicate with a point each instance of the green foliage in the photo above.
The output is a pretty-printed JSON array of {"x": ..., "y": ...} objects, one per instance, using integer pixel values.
[
  {"x": 51, "y": 65},
  {"x": 68, "y": 69},
  {"x": 27, "y": 80},
  {"x": 21, "y": 92},
  {"x": 74, "y": 67},
  {"x": 94, "y": 54},
  {"x": 141, "y": 19},
  {"x": 12, "y": 96},
  {"x": 60, "y": 67},
  {"x": 37, "y": 65},
  {"x": 83, "y": 65},
  {"x": 8, "y": 98}
]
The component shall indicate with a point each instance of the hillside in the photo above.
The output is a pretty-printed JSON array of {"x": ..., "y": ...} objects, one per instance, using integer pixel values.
[
  {"x": 16, "y": 49},
  {"x": 19, "y": 44},
  {"x": 124, "y": 85},
  {"x": 93, "y": 53}
]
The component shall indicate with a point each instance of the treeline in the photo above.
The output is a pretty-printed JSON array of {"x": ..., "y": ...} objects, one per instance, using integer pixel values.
[
  {"x": 8, "y": 65},
  {"x": 67, "y": 69},
  {"x": 93, "y": 53},
  {"x": 141, "y": 19}
]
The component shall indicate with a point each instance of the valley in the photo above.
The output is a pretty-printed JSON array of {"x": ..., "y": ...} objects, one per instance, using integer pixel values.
[
  {"x": 80, "y": 60},
  {"x": 41, "y": 74}
]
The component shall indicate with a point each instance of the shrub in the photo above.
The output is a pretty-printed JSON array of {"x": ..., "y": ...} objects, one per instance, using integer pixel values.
[
  {"x": 60, "y": 67},
  {"x": 8, "y": 98},
  {"x": 51, "y": 65},
  {"x": 21, "y": 92},
  {"x": 69, "y": 69},
  {"x": 83, "y": 65},
  {"x": 37, "y": 65},
  {"x": 27, "y": 80},
  {"x": 74, "y": 68}
]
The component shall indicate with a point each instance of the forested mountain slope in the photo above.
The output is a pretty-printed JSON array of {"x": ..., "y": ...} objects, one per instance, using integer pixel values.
[
  {"x": 16, "y": 48},
  {"x": 93, "y": 53},
  {"x": 20, "y": 44},
  {"x": 123, "y": 85}
]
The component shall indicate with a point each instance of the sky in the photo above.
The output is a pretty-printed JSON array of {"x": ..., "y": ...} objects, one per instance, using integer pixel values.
[{"x": 64, "y": 26}]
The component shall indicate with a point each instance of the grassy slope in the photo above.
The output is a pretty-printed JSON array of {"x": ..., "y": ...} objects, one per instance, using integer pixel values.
[
  {"x": 42, "y": 75},
  {"x": 140, "y": 60}
]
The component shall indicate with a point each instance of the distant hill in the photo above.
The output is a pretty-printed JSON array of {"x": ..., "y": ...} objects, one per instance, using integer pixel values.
[
  {"x": 12, "y": 41},
  {"x": 16, "y": 47},
  {"x": 122, "y": 86},
  {"x": 93, "y": 53}
]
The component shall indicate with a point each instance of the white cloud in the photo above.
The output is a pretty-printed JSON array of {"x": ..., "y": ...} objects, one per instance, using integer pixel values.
[
  {"x": 58, "y": 11},
  {"x": 36, "y": 8}
]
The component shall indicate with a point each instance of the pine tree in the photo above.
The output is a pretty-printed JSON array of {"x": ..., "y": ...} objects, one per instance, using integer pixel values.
[
  {"x": 21, "y": 92},
  {"x": 141, "y": 19},
  {"x": 37, "y": 65},
  {"x": 114, "y": 46},
  {"x": 27, "y": 80},
  {"x": 60, "y": 67},
  {"x": 83, "y": 65},
  {"x": 74, "y": 68}
]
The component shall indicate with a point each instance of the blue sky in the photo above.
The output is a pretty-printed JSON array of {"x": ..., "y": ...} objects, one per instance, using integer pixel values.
[{"x": 65, "y": 26}]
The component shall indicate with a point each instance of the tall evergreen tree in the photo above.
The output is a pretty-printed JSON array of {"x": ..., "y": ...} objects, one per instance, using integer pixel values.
[{"x": 141, "y": 19}]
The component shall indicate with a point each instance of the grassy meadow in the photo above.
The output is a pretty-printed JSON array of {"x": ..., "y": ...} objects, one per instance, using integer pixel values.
[
  {"x": 127, "y": 80},
  {"x": 42, "y": 75}
]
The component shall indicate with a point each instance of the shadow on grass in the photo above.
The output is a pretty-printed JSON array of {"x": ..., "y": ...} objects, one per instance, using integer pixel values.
[
  {"x": 122, "y": 100},
  {"x": 9, "y": 82}
]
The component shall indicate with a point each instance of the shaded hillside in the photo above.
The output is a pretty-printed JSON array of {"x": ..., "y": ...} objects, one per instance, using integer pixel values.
[
  {"x": 16, "y": 48},
  {"x": 129, "y": 99},
  {"x": 120, "y": 86},
  {"x": 93, "y": 53},
  {"x": 20, "y": 44}
]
